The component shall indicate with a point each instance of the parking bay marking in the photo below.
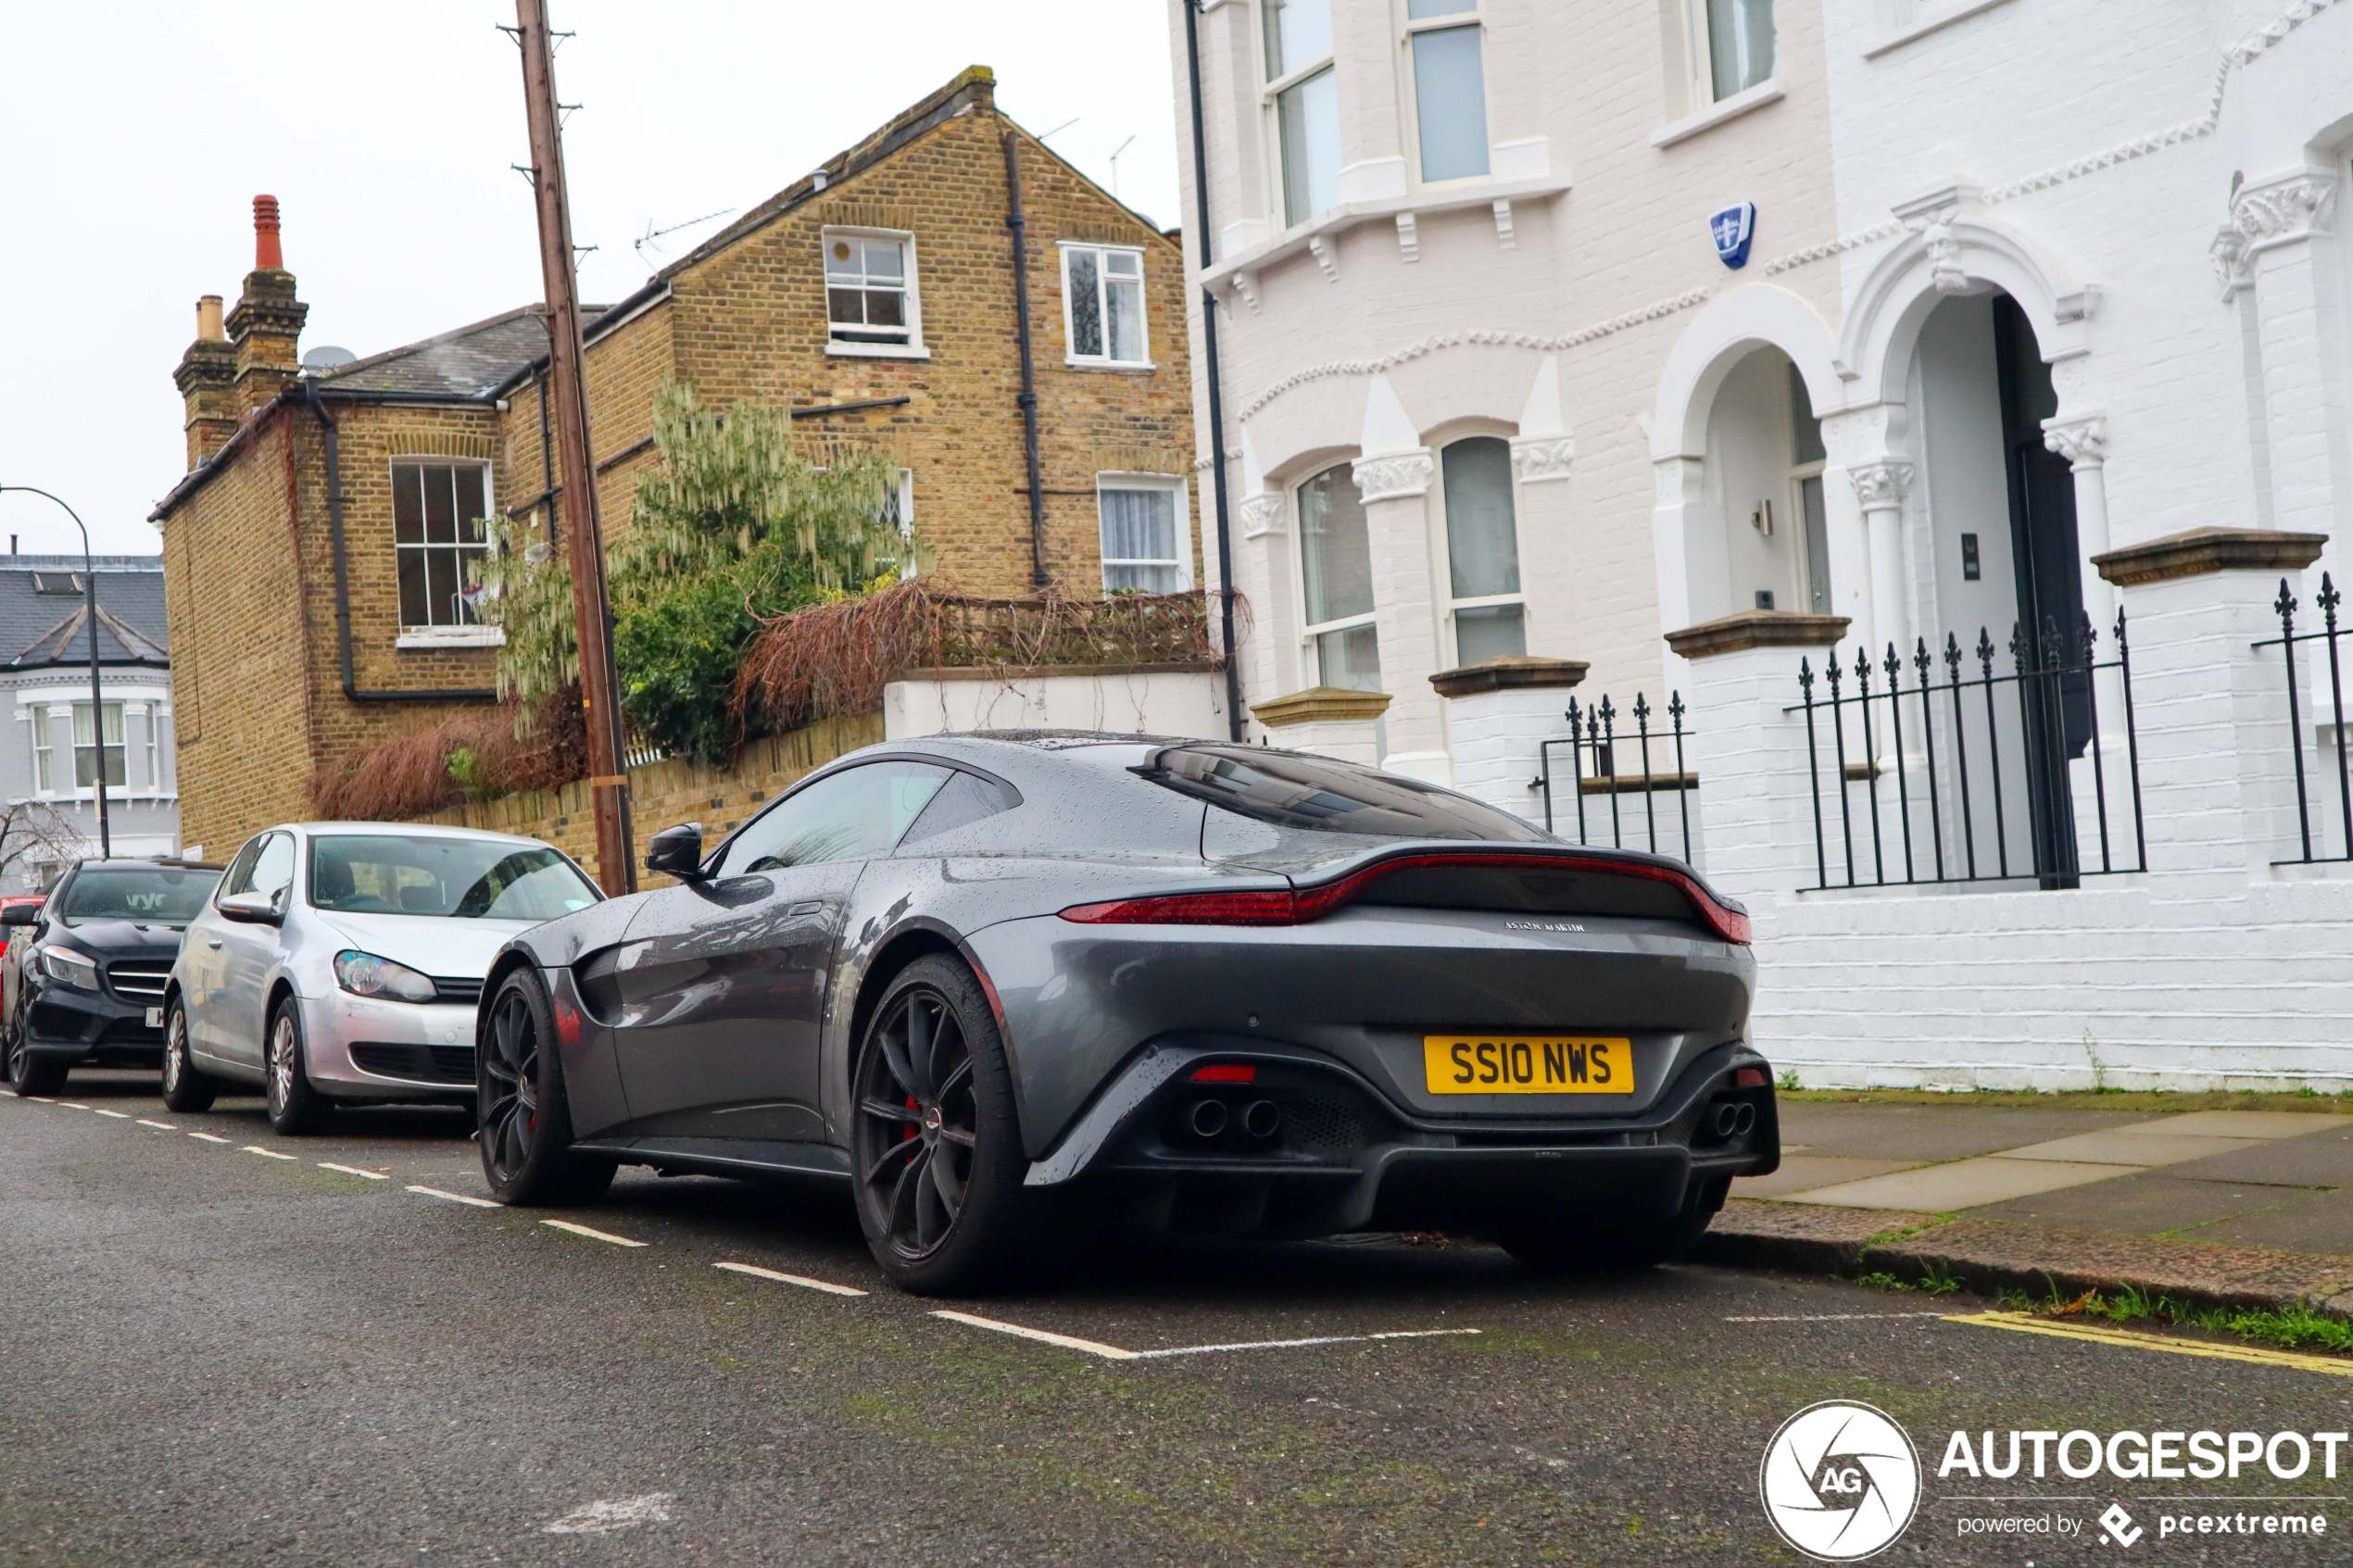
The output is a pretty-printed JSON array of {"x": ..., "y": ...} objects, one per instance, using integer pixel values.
[
  {"x": 595, "y": 1234},
  {"x": 801, "y": 1280},
  {"x": 167, "y": 1127},
  {"x": 2017, "y": 1323},
  {"x": 265, "y": 1153},
  {"x": 457, "y": 1198},
  {"x": 209, "y": 1139},
  {"x": 117, "y": 1115},
  {"x": 353, "y": 1171},
  {"x": 71, "y": 1104},
  {"x": 1114, "y": 1352}
]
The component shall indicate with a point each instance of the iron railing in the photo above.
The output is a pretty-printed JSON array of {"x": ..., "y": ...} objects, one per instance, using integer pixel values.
[
  {"x": 1593, "y": 738},
  {"x": 1956, "y": 747},
  {"x": 2288, "y": 642}
]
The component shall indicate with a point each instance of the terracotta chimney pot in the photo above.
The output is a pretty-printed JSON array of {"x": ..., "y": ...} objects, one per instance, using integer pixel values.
[
  {"x": 267, "y": 257},
  {"x": 208, "y": 328}
]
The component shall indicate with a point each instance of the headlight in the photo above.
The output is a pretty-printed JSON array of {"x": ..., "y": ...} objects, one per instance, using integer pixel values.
[
  {"x": 364, "y": 974},
  {"x": 68, "y": 968}
]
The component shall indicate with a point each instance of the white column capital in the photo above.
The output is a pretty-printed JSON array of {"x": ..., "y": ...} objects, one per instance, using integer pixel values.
[
  {"x": 1536, "y": 458},
  {"x": 2082, "y": 439},
  {"x": 1262, "y": 515},
  {"x": 1389, "y": 475},
  {"x": 1882, "y": 484},
  {"x": 2284, "y": 209}
]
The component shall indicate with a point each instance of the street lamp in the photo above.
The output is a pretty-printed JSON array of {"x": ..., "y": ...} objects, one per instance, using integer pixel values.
[{"x": 97, "y": 708}]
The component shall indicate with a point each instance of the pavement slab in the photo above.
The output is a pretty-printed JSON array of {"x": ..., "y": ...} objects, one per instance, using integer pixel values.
[
  {"x": 1962, "y": 1183},
  {"x": 1803, "y": 1172},
  {"x": 2146, "y": 1204},
  {"x": 2315, "y": 1159},
  {"x": 2150, "y": 1143},
  {"x": 1919, "y": 1132},
  {"x": 2308, "y": 1222},
  {"x": 2253, "y": 1123}
]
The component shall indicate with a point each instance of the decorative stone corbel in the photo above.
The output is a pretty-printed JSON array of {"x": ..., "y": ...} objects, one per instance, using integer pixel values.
[
  {"x": 1536, "y": 458},
  {"x": 1503, "y": 235},
  {"x": 1246, "y": 285},
  {"x": 2233, "y": 264},
  {"x": 1393, "y": 474},
  {"x": 1327, "y": 255},
  {"x": 1409, "y": 243},
  {"x": 1262, "y": 515}
]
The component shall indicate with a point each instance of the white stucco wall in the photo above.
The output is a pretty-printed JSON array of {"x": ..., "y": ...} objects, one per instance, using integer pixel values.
[{"x": 1165, "y": 702}]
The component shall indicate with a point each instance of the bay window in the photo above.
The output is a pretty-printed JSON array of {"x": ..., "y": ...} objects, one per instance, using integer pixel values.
[
  {"x": 1482, "y": 550},
  {"x": 85, "y": 747},
  {"x": 1304, "y": 99},
  {"x": 1336, "y": 572},
  {"x": 1450, "y": 89}
]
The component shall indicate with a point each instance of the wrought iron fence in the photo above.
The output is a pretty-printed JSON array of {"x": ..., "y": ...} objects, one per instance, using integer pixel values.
[
  {"x": 1621, "y": 765},
  {"x": 2288, "y": 642},
  {"x": 1956, "y": 747}
]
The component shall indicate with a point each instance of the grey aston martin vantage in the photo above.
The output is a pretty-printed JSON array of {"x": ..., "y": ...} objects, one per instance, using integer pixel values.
[{"x": 1007, "y": 983}]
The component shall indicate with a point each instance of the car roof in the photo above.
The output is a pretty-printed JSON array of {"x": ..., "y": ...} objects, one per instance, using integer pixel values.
[{"x": 405, "y": 830}]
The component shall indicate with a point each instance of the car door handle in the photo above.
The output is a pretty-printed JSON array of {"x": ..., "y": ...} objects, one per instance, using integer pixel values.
[{"x": 808, "y": 907}]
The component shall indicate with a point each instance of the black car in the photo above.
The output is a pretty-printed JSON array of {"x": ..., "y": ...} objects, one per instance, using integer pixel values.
[
  {"x": 84, "y": 986},
  {"x": 987, "y": 979}
]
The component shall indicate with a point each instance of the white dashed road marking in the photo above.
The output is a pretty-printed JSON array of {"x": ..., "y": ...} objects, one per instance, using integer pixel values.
[
  {"x": 38, "y": 1099},
  {"x": 167, "y": 1127},
  {"x": 353, "y": 1171},
  {"x": 604, "y": 1517},
  {"x": 209, "y": 1139},
  {"x": 457, "y": 1198},
  {"x": 1092, "y": 1347},
  {"x": 801, "y": 1280},
  {"x": 71, "y": 1104},
  {"x": 117, "y": 1115},
  {"x": 1114, "y": 1353},
  {"x": 594, "y": 1235},
  {"x": 266, "y": 1153}
]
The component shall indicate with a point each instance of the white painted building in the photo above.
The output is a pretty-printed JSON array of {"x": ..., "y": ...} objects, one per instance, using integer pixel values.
[{"x": 2029, "y": 284}]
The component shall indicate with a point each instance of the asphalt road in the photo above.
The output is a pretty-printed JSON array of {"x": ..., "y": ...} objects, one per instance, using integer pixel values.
[{"x": 210, "y": 1356}]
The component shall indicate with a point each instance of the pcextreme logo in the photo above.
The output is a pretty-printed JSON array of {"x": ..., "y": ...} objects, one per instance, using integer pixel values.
[{"x": 1840, "y": 1481}]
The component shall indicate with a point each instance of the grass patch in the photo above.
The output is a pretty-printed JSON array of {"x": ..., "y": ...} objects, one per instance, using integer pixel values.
[
  {"x": 2153, "y": 1101},
  {"x": 2293, "y": 1327},
  {"x": 1936, "y": 1280}
]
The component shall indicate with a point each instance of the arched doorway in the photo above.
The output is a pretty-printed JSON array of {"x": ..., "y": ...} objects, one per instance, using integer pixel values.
[
  {"x": 1762, "y": 539},
  {"x": 2006, "y": 561}
]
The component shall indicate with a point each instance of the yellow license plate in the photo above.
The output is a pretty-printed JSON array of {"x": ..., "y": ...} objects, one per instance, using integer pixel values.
[{"x": 1528, "y": 1064}]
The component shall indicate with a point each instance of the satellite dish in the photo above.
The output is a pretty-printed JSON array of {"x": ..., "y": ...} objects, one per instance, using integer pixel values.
[{"x": 325, "y": 358}]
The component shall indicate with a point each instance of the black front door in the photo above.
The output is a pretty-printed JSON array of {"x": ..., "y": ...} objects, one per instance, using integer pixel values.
[
  {"x": 2053, "y": 686},
  {"x": 723, "y": 982}
]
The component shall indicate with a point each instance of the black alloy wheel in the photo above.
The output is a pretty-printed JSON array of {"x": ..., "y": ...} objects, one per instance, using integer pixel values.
[
  {"x": 938, "y": 1144},
  {"x": 185, "y": 1088},
  {"x": 523, "y": 1123},
  {"x": 30, "y": 1074},
  {"x": 295, "y": 1108}
]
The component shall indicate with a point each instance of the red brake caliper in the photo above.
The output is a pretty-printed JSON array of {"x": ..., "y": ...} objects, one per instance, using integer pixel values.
[{"x": 911, "y": 1126}]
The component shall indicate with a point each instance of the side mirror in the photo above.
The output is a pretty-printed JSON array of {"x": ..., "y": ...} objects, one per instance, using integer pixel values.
[
  {"x": 20, "y": 914},
  {"x": 676, "y": 852},
  {"x": 251, "y": 908}
]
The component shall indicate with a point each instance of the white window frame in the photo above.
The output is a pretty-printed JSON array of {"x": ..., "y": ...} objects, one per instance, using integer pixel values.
[
  {"x": 1173, "y": 484},
  {"x": 1474, "y": 16},
  {"x": 1312, "y": 651},
  {"x": 44, "y": 776},
  {"x": 1445, "y": 559},
  {"x": 1071, "y": 356},
  {"x": 462, "y": 635},
  {"x": 914, "y": 347},
  {"x": 1270, "y": 94},
  {"x": 1701, "y": 63},
  {"x": 903, "y": 494}
]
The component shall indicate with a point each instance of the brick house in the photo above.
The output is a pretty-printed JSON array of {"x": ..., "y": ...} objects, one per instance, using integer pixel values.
[{"x": 873, "y": 296}]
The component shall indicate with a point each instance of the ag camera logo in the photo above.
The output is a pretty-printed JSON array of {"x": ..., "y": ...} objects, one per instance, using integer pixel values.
[{"x": 1840, "y": 1481}]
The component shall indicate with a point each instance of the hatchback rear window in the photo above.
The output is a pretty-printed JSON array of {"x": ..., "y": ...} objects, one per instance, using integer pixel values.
[{"x": 1323, "y": 796}]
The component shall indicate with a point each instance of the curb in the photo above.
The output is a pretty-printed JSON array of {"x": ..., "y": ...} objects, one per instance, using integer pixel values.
[{"x": 1987, "y": 1256}]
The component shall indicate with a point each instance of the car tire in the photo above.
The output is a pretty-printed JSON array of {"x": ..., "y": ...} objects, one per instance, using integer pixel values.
[
  {"x": 1566, "y": 1249},
  {"x": 185, "y": 1088},
  {"x": 936, "y": 1145},
  {"x": 294, "y": 1106},
  {"x": 30, "y": 1074},
  {"x": 522, "y": 1120}
]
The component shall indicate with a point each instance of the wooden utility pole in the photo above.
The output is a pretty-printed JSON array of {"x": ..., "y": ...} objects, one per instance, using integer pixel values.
[{"x": 584, "y": 537}]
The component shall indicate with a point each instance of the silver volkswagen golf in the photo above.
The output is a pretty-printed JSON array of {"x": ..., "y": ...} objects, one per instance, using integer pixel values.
[{"x": 342, "y": 961}]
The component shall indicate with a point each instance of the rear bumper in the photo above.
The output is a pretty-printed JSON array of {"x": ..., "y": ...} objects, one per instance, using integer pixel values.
[{"x": 1345, "y": 1157}]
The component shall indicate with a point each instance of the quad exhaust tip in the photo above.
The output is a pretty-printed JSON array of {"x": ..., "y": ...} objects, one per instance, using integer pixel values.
[
  {"x": 1208, "y": 1118},
  {"x": 1262, "y": 1119},
  {"x": 1734, "y": 1120}
]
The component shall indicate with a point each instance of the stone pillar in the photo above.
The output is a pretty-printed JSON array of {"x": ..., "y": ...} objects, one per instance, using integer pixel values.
[
  {"x": 1548, "y": 556},
  {"x": 2217, "y": 776},
  {"x": 1749, "y": 755},
  {"x": 1263, "y": 572},
  {"x": 1500, "y": 712},
  {"x": 1329, "y": 720},
  {"x": 2286, "y": 225},
  {"x": 1395, "y": 490},
  {"x": 1880, "y": 489}
]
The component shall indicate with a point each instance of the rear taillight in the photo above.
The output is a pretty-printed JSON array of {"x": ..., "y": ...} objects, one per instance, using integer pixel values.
[
  {"x": 1275, "y": 908},
  {"x": 1226, "y": 1073},
  {"x": 1287, "y": 907},
  {"x": 1748, "y": 1078}
]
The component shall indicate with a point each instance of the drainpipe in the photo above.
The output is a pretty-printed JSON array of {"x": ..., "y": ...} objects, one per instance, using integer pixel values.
[
  {"x": 343, "y": 583},
  {"x": 1014, "y": 221},
  {"x": 1217, "y": 401}
]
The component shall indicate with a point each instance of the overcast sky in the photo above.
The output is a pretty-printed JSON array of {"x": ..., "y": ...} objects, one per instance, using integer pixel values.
[{"x": 134, "y": 138}]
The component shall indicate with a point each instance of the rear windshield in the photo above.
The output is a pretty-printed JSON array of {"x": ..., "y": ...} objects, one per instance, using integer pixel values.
[
  {"x": 456, "y": 878},
  {"x": 157, "y": 896},
  {"x": 1324, "y": 796}
]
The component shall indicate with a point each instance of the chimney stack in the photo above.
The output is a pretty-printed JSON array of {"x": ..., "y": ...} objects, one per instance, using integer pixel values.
[
  {"x": 266, "y": 326},
  {"x": 206, "y": 379}
]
